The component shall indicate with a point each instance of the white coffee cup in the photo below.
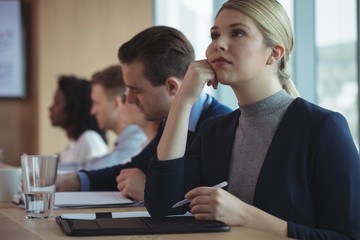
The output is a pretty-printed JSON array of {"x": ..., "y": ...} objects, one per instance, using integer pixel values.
[{"x": 10, "y": 182}]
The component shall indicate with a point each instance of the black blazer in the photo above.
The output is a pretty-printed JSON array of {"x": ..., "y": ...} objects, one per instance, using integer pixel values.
[{"x": 310, "y": 176}]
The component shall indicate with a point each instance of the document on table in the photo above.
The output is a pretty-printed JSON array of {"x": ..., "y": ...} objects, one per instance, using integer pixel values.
[
  {"x": 90, "y": 216},
  {"x": 92, "y": 199}
]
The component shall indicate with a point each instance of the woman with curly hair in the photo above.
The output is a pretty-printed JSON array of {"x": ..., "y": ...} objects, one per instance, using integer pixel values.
[{"x": 71, "y": 111}]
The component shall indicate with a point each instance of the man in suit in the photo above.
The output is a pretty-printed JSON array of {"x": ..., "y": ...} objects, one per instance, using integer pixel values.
[{"x": 154, "y": 63}]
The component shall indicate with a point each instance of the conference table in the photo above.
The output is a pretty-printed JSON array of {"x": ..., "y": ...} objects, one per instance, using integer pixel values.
[{"x": 15, "y": 226}]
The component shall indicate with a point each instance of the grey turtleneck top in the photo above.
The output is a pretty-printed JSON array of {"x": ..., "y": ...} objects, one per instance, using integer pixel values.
[{"x": 257, "y": 125}]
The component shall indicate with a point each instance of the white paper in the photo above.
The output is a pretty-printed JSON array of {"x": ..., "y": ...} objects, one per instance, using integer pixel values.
[
  {"x": 90, "y": 199},
  {"x": 114, "y": 215},
  {"x": 90, "y": 216}
]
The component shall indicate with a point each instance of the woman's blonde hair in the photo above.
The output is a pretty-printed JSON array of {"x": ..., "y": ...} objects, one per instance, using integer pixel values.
[{"x": 275, "y": 25}]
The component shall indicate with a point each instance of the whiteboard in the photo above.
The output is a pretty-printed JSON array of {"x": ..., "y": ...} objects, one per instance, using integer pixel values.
[{"x": 12, "y": 77}]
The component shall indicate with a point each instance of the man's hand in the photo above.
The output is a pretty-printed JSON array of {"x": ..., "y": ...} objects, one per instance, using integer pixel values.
[
  {"x": 131, "y": 182},
  {"x": 67, "y": 182}
]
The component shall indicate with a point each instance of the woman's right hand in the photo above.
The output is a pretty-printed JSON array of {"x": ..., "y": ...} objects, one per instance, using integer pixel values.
[
  {"x": 173, "y": 140},
  {"x": 198, "y": 74}
]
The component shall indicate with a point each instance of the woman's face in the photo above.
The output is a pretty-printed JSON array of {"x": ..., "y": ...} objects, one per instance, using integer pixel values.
[
  {"x": 237, "y": 51},
  {"x": 58, "y": 115}
]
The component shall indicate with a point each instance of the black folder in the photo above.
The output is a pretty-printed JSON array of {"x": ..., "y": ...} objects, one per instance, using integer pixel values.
[{"x": 138, "y": 225}]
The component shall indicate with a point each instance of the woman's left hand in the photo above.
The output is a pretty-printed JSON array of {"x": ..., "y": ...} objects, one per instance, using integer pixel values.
[{"x": 208, "y": 203}]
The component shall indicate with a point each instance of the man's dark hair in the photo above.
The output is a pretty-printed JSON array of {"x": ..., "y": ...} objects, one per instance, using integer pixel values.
[
  {"x": 78, "y": 104},
  {"x": 111, "y": 80},
  {"x": 164, "y": 51}
]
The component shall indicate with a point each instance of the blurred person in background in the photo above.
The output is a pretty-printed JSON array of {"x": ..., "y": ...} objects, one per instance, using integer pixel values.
[
  {"x": 113, "y": 112},
  {"x": 70, "y": 111}
]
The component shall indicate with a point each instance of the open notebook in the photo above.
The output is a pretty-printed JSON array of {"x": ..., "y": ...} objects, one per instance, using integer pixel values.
[{"x": 107, "y": 224}]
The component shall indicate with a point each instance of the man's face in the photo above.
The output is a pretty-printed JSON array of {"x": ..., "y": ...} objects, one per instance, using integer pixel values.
[
  {"x": 153, "y": 102},
  {"x": 103, "y": 107}
]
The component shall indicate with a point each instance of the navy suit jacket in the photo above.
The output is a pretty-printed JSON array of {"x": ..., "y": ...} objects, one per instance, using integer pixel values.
[
  {"x": 105, "y": 179},
  {"x": 310, "y": 176}
]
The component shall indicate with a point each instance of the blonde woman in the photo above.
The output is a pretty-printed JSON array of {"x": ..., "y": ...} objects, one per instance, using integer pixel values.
[{"x": 292, "y": 167}]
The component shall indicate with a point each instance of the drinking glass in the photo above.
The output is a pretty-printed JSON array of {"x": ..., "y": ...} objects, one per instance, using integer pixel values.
[{"x": 39, "y": 176}]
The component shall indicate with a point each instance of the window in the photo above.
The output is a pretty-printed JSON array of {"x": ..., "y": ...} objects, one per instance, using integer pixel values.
[
  {"x": 193, "y": 18},
  {"x": 336, "y": 47}
]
